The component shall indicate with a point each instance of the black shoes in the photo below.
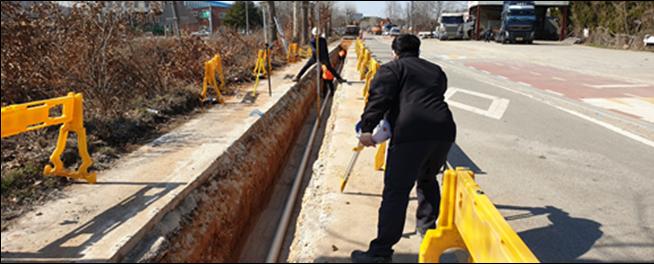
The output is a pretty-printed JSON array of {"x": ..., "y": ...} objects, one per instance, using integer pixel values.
[{"x": 359, "y": 256}]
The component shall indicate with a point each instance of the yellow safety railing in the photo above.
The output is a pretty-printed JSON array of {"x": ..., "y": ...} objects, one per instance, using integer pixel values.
[
  {"x": 293, "y": 53},
  {"x": 363, "y": 65},
  {"x": 212, "y": 67},
  {"x": 305, "y": 52},
  {"x": 25, "y": 117},
  {"x": 263, "y": 62},
  {"x": 468, "y": 220},
  {"x": 372, "y": 68}
]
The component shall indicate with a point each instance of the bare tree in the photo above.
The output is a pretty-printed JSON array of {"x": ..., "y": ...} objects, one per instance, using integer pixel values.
[
  {"x": 271, "y": 21},
  {"x": 349, "y": 9},
  {"x": 296, "y": 21},
  {"x": 304, "y": 30},
  {"x": 393, "y": 10}
]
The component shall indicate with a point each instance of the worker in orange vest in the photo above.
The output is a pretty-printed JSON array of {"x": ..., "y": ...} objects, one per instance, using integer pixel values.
[{"x": 328, "y": 80}]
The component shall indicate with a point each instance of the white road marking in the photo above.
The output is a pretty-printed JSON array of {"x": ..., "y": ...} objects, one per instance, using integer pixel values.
[
  {"x": 609, "y": 86},
  {"x": 496, "y": 110},
  {"x": 610, "y": 127},
  {"x": 524, "y": 83},
  {"x": 593, "y": 120},
  {"x": 502, "y": 77},
  {"x": 554, "y": 92},
  {"x": 485, "y": 72},
  {"x": 634, "y": 106},
  {"x": 535, "y": 73},
  {"x": 559, "y": 79}
]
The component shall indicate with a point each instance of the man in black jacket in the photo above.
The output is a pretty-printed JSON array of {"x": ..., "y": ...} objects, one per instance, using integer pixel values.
[
  {"x": 409, "y": 92},
  {"x": 324, "y": 57}
]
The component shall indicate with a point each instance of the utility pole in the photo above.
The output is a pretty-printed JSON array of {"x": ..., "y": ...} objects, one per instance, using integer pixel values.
[
  {"x": 318, "y": 63},
  {"x": 296, "y": 20},
  {"x": 247, "y": 18},
  {"x": 175, "y": 18},
  {"x": 267, "y": 49}
]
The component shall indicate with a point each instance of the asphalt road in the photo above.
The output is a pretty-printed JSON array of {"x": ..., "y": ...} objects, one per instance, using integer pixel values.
[{"x": 572, "y": 177}]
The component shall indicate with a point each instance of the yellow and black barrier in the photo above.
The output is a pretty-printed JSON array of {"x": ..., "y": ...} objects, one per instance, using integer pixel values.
[
  {"x": 19, "y": 118},
  {"x": 293, "y": 55},
  {"x": 305, "y": 52},
  {"x": 263, "y": 61},
  {"x": 468, "y": 220},
  {"x": 211, "y": 68},
  {"x": 368, "y": 67}
]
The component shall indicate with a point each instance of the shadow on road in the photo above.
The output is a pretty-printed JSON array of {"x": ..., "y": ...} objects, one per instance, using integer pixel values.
[
  {"x": 565, "y": 240},
  {"x": 397, "y": 258},
  {"x": 457, "y": 157}
]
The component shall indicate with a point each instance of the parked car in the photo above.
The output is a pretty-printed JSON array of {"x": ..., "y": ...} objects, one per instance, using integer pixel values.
[
  {"x": 425, "y": 34},
  {"x": 201, "y": 33},
  {"x": 649, "y": 40},
  {"x": 395, "y": 31}
]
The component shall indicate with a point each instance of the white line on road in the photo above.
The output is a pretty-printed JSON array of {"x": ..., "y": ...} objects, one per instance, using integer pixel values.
[
  {"x": 632, "y": 95},
  {"x": 593, "y": 120},
  {"x": 502, "y": 77},
  {"x": 524, "y": 83},
  {"x": 535, "y": 73},
  {"x": 608, "y": 86},
  {"x": 559, "y": 79},
  {"x": 554, "y": 92},
  {"x": 609, "y": 126},
  {"x": 485, "y": 72},
  {"x": 496, "y": 110}
]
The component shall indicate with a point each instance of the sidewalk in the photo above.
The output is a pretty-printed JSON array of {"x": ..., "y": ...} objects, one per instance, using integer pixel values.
[{"x": 332, "y": 224}]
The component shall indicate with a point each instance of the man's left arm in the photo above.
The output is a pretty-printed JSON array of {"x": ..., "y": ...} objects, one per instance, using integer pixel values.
[{"x": 383, "y": 91}]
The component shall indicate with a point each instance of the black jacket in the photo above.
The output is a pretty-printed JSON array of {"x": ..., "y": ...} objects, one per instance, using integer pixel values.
[
  {"x": 410, "y": 92},
  {"x": 324, "y": 52}
]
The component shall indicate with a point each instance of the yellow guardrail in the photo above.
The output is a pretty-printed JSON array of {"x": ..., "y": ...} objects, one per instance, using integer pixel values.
[
  {"x": 468, "y": 220},
  {"x": 293, "y": 55},
  {"x": 368, "y": 67},
  {"x": 19, "y": 118},
  {"x": 263, "y": 61},
  {"x": 305, "y": 52},
  {"x": 211, "y": 68}
]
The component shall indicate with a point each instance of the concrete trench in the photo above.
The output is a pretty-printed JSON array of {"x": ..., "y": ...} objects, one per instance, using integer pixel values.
[{"x": 213, "y": 221}]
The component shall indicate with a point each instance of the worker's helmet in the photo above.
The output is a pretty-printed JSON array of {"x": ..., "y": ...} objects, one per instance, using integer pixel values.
[{"x": 381, "y": 133}]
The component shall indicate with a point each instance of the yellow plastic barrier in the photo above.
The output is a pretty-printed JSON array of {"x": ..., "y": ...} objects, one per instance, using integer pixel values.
[
  {"x": 363, "y": 66},
  {"x": 305, "y": 53},
  {"x": 211, "y": 67},
  {"x": 25, "y": 117},
  {"x": 372, "y": 68},
  {"x": 293, "y": 53},
  {"x": 263, "y": 61},
  {"x": 468, "y": 220}
]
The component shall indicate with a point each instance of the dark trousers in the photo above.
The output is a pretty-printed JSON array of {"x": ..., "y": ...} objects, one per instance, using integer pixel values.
[
  {"x": 329, "y": 86},
  {"x": 407, "y": 164},
  {"x": 312, "y": 61}
]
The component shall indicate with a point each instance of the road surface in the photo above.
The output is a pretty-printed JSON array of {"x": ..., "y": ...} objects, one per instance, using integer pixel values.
[{"x": 566, "y": 155}]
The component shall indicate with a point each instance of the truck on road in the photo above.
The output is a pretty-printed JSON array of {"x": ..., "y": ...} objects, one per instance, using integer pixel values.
[
  {"x": 450, "y": 26},
  {"x": 518, "y": 19}
]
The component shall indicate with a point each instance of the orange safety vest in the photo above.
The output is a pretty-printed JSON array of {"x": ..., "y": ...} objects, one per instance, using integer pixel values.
[{"x": 326, "y": 74}]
